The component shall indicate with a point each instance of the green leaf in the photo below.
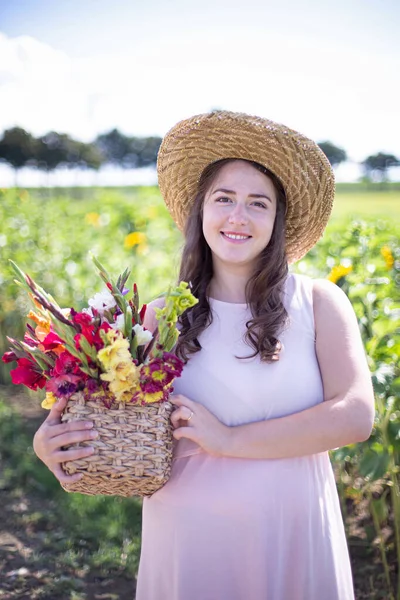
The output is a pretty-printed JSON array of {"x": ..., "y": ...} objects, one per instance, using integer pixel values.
[
  {"x": 373, "y": 464},
  {"x": 380, "y": 508}
]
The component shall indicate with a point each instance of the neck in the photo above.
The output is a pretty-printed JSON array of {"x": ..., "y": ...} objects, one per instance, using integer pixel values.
[{"x": 229, "y": 286}]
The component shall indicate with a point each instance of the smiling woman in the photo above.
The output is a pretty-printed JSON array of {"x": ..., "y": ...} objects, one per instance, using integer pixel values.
[
  {"x": 251, "y": 509},
  {"x": 237, "y": 228},
  {"x": 275, "y": 375}
]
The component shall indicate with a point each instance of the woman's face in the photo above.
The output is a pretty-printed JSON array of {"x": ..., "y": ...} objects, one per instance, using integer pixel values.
[{"x": 239, "y": 214}]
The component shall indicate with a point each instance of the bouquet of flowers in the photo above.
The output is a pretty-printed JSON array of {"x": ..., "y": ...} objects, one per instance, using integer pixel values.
[{"x": 112, "y": 371}]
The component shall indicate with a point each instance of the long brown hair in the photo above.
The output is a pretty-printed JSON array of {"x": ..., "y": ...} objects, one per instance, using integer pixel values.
[{"x": 263, "y": 291}]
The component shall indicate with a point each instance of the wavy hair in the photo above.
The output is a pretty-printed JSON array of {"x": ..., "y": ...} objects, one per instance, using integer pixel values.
[{"x": 264, "y": 290}]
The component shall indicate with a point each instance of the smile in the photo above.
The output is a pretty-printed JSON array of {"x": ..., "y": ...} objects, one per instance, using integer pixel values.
[{"x": 235, "y": 237}]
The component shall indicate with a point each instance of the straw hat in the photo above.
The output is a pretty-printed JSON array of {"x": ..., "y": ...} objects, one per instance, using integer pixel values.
[{"x": 297, "y": 161}]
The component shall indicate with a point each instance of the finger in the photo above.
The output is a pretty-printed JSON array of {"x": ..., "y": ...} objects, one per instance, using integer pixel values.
[
  {"x": 184, "y": 432},
  {"x": 56, "y": 411},
  {"x": 180, "y": 414},
  {"x": 72, "y": 437},
  {"x": 176, "y": 416},
  {"x": 78, "y": 425},
  {"x": 180, "y": 400},
  {"x": 74, "y": 454},
  {"x": 63, "y": 477}
]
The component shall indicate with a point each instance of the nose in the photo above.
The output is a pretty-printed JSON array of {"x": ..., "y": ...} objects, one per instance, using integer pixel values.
[{"x": 238, "y": 215}]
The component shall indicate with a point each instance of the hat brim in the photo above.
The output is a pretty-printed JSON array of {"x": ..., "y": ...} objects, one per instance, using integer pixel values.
[{"x": 298, "y": 162}]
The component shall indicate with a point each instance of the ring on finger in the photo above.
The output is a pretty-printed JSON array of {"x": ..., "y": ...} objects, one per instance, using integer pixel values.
[{"x": 191, "y": 415}]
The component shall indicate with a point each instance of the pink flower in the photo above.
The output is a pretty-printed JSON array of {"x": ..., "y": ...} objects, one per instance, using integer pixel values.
[{"x": 64, "y": 385}]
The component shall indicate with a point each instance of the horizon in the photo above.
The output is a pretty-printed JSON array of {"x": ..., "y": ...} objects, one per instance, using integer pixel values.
[{"x": 329, "y": 72}]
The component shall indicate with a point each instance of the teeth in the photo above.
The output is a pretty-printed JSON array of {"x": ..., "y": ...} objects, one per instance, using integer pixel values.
[{"x": 237, "y": 237}]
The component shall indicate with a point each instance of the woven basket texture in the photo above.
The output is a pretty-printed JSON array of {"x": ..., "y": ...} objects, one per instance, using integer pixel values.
[
  {"x": 301, "y": 166},
  {"x": 133, "y": 453}
]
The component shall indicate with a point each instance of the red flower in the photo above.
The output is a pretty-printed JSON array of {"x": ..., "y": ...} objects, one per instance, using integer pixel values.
[
  {"x": 30, "y": 341},
  {"x": 26, "y": 374},
  {"x": 142, "y": 312},
  {"x": 51, "y": 341},
  {"x": 9, "y": 357},
  {"x": 89, "y": 329},
  {"x": 66, "y": 363}
]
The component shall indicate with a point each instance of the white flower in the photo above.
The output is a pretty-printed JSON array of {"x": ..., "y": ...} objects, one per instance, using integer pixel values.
[
  {"x": 102, "y": 301},
  {"x": 143, "y": 336},
  {"x": 119, "y": 323}
]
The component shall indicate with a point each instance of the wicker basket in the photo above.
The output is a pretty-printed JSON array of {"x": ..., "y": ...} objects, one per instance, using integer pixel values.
[{"x": 133, "y": 453}]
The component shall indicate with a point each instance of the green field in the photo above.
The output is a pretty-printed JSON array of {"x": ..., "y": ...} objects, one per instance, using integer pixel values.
[
  {"x": 384, "y": 205},
  {"x": 69, "y": 538}
]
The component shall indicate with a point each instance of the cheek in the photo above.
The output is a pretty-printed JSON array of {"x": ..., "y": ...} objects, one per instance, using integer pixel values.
[{"x": 209, "y": 223}]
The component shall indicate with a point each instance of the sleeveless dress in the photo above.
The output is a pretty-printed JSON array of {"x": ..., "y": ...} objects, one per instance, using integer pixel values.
[{"x": 248, "y": 529}]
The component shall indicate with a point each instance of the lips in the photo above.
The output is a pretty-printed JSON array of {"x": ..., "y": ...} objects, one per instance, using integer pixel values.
[{"x": 235, "y": 237}]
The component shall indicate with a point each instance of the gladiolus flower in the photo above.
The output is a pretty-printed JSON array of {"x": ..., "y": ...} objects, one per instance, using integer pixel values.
[
  {"x": 143, "y": 336},
  {"x": 64, "y": 385},
  {"x": 121, "y": 373},
  {"x": 9, "y": 357},
  {"x": 26, "y": 374},
  {"x": 102, "y": 301}
]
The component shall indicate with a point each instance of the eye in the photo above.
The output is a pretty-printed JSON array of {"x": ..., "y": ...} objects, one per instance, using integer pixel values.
[
  {"x": 258, "y": 203},
  {"x": 222, "y": 199}
]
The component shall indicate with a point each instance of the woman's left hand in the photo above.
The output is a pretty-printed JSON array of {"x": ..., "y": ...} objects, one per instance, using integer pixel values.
[{"x": 203, "y": 427}]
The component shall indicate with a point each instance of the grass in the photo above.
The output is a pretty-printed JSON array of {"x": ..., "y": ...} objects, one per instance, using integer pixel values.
[
  {"x": 56, "y": 543},
  {"x": 361, "y": 204}
]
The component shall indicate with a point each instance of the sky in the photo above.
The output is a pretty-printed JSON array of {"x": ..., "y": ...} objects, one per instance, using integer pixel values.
[{"x": 330, "y": 69}]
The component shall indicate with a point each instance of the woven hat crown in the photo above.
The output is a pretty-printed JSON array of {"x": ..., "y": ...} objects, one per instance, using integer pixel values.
[{"x": 298, "y": 162}]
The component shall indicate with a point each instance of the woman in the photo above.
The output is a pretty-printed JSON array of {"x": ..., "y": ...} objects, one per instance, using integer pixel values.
[{"x": 276, "y": 376}]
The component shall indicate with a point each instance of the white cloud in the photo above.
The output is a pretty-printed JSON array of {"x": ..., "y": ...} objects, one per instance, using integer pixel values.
[{"x": 324, "y": 90}]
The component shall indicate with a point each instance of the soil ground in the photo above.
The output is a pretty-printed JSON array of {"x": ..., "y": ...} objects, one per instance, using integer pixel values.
[{"x": 29, "y": 569}]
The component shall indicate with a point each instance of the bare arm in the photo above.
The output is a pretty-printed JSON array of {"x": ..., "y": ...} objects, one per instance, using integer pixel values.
[{"x": 347, "y": 413}]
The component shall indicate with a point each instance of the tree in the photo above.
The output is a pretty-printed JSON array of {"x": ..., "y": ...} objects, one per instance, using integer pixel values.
[
  {"x": 57, "y": 149},
  {"x": 379, "y": 164},
  {"x": 143, "y": 151},
  {"x": 334, "y": 154},
  {"x": 114, "y": 146},
  {"x": 128, "y": 152},
  {"x": 17, "y": 147}
]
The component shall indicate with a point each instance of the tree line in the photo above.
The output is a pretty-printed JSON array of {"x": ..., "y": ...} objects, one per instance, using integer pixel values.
[{"x": 18, "y": 148}]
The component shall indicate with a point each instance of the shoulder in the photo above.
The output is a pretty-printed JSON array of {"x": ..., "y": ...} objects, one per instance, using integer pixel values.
[
  {"x": 332, "y": 308},
  {"x": 328, "y": 294},
  {"x": 150, "y": 321}
]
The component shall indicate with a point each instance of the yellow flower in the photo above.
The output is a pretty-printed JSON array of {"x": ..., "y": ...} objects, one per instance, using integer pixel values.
[
  {"x": 39, "y": 320},
  {"x": 121, "y": 372},
  {"x": 135, "y": 238},
  {"x": 117, "y": 351},
  {"x": 338, "y": 272},
  {"x": 122, "y": 389},
  {"x": 154, "y": 397},
  {"x": 93, "y": 219},
  {"x": 49, "y": 400},
  {"x": 388, "y": 256}
]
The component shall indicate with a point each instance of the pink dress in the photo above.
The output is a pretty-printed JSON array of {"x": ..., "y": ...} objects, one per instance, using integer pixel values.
[{"x": 245, "y": 529}]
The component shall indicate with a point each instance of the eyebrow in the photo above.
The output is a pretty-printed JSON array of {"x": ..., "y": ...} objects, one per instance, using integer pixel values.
[{"x": 234, "y": 193}]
